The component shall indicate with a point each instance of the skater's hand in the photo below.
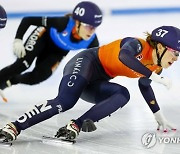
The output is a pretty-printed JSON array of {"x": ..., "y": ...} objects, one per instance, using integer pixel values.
[
  {"x": 18, "y": 48},
  {"x": 163, "y": 123},
  {"x": 162, "y": 80}
]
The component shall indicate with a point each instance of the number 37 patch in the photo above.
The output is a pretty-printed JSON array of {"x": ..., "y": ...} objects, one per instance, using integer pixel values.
[{"x": 161, "y": 32}]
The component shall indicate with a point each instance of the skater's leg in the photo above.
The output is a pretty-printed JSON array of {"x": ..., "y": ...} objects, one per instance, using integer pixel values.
[{"x": 108, "y": 97}]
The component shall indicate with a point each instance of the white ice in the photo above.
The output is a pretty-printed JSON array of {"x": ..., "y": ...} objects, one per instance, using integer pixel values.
[{"x": 119, "y": 134}]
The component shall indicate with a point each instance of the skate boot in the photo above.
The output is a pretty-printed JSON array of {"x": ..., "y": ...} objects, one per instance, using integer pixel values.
[
  {"x": 2, "y": 87},
  {"x": 68, "y": 132},
  {"x": 8, "y": 133}
]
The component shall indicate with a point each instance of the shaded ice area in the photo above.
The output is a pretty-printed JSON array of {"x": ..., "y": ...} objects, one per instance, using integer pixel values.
[{"x": 120, "y": 133}]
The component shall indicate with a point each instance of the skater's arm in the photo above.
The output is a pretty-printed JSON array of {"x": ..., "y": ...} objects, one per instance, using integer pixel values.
[
  {"x": 148, "y": 94},
  {"x": 59, "y": 23},
  {"x": 26, "y": 23},
  {"x": 129, "y": 50}
]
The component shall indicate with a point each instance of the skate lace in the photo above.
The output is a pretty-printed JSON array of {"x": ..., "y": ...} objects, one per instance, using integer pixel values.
[
  {"x": 10, "y": 132},
  {"x": 12, "y": 129},
  {"x": 74, "y": 127}
]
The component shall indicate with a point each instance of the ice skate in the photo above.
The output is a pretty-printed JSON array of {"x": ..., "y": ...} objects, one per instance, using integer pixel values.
[
  {"x": 68, "y": 132},
  {"x": 8, "y": 133}
]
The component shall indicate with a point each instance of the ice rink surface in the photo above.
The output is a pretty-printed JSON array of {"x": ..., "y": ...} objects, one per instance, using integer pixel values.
[{"x": 119, "y": 134}]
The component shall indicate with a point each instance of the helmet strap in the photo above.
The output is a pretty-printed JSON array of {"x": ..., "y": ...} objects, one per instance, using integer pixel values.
[
  {"x": 78, "y": 27},
  {"x": 75, "y": 33},
  {"x": 159, "y": 58}
]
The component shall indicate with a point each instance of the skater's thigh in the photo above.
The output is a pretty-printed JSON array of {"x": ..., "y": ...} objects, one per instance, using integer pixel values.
[
  {"x": 99, "y": 91},
  {"x": 49, "y": 63}
]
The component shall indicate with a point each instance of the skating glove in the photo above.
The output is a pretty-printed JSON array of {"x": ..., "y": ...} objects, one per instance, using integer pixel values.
[
  {"x": 162, "y": 80},
  {"x": 18, "y": 48},
  {"x": 162, "y": 122}
]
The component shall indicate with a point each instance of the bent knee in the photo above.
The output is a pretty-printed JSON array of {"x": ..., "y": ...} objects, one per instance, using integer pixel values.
[
  {"x": 61, "y": 105},
  {"x": 126, "y": 93},
  {"x": 118, "y": 89}
]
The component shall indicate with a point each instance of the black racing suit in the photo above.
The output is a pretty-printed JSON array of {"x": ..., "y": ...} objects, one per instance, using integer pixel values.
[{"x": 39, "y": 46}]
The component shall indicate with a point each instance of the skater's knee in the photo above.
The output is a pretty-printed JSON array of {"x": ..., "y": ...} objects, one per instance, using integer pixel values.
[
  {"x": 126, "y": 93},
  {"x": 67, "y": 106},
  {"x": 36, "y": 77},
  {"x": 122, "y": 91},
  {"x": 62, "y": 105}
]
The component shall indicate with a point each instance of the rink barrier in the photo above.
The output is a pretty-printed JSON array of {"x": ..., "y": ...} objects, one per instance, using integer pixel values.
[
  {"x": 145, "y": 11},
  {"x": 112, "y": 12}
]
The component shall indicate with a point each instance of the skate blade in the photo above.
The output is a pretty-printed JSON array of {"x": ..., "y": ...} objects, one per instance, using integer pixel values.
[
  {"x": 3, "y": 143},
  {"x": 3, "y": 97},
  {"x": 7, "y": 144},
  {"x": 56, "y": 141}
]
